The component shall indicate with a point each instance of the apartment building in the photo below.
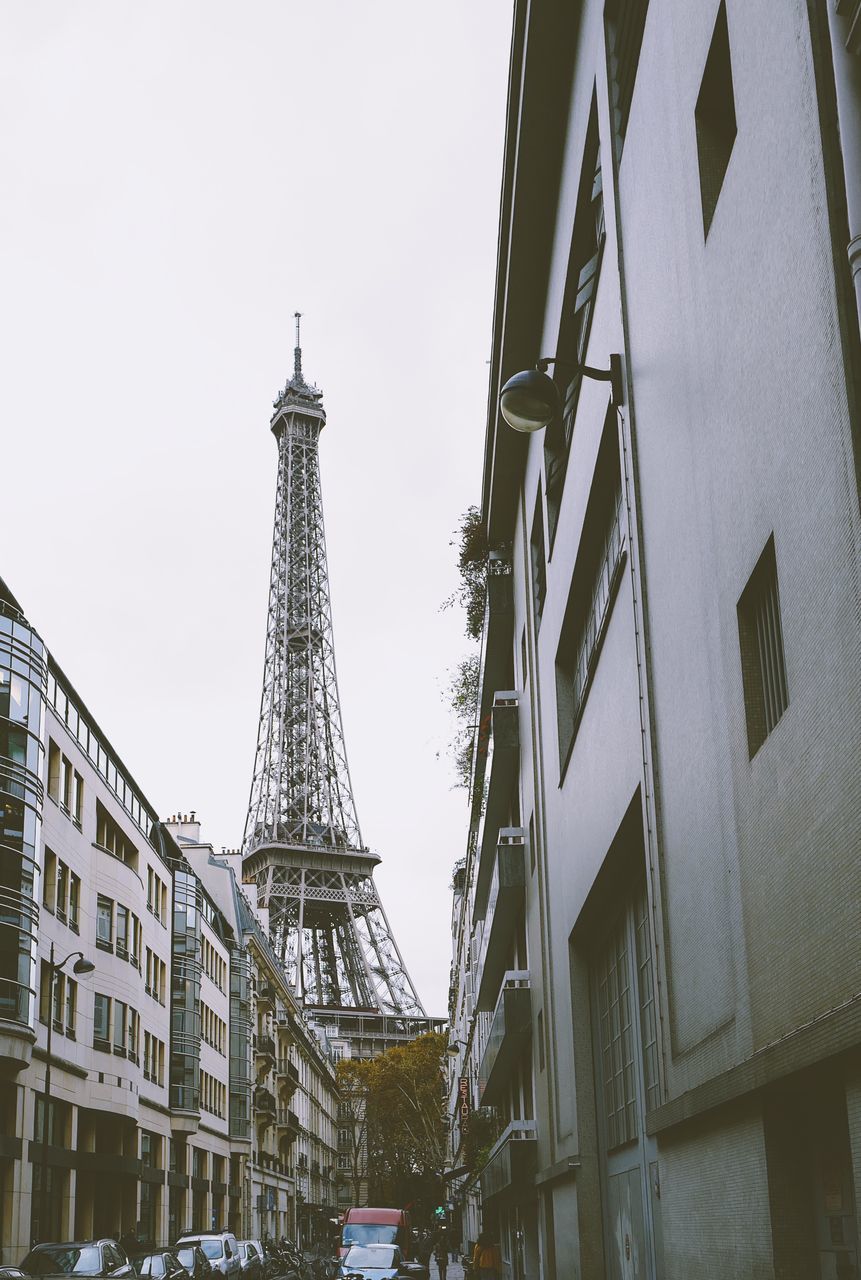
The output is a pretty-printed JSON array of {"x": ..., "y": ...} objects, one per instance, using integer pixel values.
[
  {"x": 157, "y": 1120},
  {"x": 291, "y": 1170},
  {"x": 656, "y": 980}
]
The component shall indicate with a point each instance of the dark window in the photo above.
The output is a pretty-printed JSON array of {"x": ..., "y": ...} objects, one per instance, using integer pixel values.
[
  {"x": 715, "y": 119},
  {"x": 593, "y": 587},
  {"x": 539, "y": 563},
  {"x": 584, "y": 268},
  {"x": 101, "y": 1018},
  {"x": 540, "y": 1037},
  {"x": 104, "y": 922},
  {"x": 626, "y": 20},
  {"x": 763, "y": 666}
]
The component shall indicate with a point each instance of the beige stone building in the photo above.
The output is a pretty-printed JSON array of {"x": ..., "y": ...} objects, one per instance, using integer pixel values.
[{"x": 169, "y": 1108}]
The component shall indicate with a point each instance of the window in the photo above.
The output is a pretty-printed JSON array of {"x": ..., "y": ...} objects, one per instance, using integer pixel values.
[
  {"x": 104, "y": 923},
  {"x": 133, "y": 1020},
  {"x": 77, "y": 799},
  {"x": 763, "y": 666},
  {"x": 49, "y": 884},
  {"x": 122, "y": 927},
  {"x": 74, "y": 901},
  {"x": 715, "y": 119},
  {"x": 111, "y": 838},
  {"x": 62, "y": 890},
  {"x": 343, "y": 1162},
  {"x": 597, "y": 571},
  {"x": 584, "y": 269},
  {"x": 71, "y": 1006},
  {"x": 44, "y": 991},
  {"x": 539, "y": 563},
  {"x": 120, "y": 1012},
  {"x": 156, "y": 896},
  {"x": 54, "y": 758},
  {"x": 153, "y": 1059},
  {"x": 626, "y": 20},
  {"x": 101, "y": 1021}
]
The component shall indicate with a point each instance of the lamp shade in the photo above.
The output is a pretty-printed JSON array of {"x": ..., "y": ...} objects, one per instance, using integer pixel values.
[
  {"x": 83, "y": 966},
  {"x": 530, "y": 400}
]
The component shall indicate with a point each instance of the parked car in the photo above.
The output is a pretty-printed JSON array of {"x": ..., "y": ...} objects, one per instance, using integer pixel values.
[
  {"x": 251, "y": 1259},
  {"x": 193, "y": 1261},
  {"x": 160, "y": 1264},
  {"x": 12, "y": 1273},
  {"x": 79, "y": 1258},
  {"x": 220, "y": 1248}
]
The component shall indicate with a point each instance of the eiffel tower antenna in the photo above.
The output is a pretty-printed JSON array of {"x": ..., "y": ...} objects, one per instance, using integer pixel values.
[{"x": 302, "y": 845}]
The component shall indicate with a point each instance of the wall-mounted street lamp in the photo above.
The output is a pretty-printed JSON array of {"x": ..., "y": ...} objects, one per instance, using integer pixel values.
[
  {"x": 80, "y": 967},
  {"x": 454, "y": 1048},
  {"x": 530, "y": 400}
]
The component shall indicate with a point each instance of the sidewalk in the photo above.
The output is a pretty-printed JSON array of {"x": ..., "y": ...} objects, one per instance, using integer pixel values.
[{"x": 454, "y": 1271}]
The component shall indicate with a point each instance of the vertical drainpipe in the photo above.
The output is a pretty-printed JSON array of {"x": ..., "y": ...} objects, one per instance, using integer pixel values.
[{"x": 847, "y": 83}]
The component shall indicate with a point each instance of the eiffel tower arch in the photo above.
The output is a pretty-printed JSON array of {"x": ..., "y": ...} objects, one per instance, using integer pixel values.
[{"x": 303, "y": 846}]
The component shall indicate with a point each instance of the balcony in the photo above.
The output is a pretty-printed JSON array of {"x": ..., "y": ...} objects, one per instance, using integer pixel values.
[
  {"x": 509, "y": 1033},
  {"x": 264, "y": 1052},
  {"x": 265, "y": 1107},
  {"x": 266, "y": 997},
  {"x": 512, "y": 1163},
  {"x": 503, "y": 757},
  {"x": 288, "y": 1076},
  {"x": 504, "y": 902},
  {"x": 288, "y": 1121}
]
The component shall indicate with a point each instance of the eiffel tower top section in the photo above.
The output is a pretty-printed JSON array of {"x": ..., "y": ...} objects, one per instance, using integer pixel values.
[
  {"x": 298, "y": 395},
  {"x": 301, "y": 794}
]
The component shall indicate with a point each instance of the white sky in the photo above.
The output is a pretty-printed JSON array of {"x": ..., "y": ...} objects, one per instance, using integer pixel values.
[{"x": 178, "y": 178}]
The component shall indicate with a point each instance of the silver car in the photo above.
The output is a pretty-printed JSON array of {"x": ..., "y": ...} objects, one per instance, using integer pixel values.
[{"x": 220, "y": 1248}]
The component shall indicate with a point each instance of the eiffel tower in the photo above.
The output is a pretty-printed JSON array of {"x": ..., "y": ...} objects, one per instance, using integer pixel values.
[{"x": 302, "y": 846}]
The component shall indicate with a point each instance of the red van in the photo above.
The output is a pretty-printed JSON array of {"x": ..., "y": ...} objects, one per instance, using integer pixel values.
[{"x": 377, "y": 1226}]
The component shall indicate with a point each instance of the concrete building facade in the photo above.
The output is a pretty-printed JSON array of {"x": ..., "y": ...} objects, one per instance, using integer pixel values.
[
  {"x": 656, "y": 983},
  {"x": 157, "y": 1122}
]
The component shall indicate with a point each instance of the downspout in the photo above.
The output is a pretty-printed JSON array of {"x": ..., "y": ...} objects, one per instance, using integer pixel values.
[{"x": 844, "y": 24}]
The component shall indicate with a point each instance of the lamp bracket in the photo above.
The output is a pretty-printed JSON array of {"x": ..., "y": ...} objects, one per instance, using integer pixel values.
[{"x": 613, "y": 375}]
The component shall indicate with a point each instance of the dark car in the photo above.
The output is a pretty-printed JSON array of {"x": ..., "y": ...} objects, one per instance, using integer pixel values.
[
  {"x": 12, "y": 1273},
  {"x": 78, "y": 1258},
  {"x": 193, "y": 1261},
  {"x": 158, "y": 1264},
  {"x": 251, "y": 1261}
]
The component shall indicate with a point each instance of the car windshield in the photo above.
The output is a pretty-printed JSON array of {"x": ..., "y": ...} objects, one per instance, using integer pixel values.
[
  {"x": 361, "y": 1256},
  {"x": 63, "y": 1259},
  {"x": 212, "y": 1248},
  {"x": 370, "y": 1233},
  {"x": 186, "y": 1257}
]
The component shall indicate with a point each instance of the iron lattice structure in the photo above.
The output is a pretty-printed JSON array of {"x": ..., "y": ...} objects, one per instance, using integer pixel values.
[{"x": 303, "y": 846}]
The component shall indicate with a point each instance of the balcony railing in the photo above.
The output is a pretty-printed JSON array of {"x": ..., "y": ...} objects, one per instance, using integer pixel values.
[
  {"x": 512, "y": 1162},
  {"x": 287, "y": 1119},
  {"x": 503, "y": 756},
  {"x": 504, "y": 901},
  {"x": 266, "y": 995},
  {"x": 265, "y": 1048},
  {"x": 264, "y": 1104},
  {"x": 509, "y": 1032},
  {"x": 288, "y": 1074}
]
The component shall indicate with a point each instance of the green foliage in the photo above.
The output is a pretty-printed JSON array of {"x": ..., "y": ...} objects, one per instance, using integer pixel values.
[
  {"x": 405, "y": 1113},
  {"x": 462, "y": 694},
  {"x": 472, "y": 555}
]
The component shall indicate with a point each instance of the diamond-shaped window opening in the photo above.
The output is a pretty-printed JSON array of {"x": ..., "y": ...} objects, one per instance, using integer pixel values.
[{"x": 715, "y": 118}]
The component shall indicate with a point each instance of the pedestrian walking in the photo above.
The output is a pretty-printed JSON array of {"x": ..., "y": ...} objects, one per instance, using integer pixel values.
[
  {"x": 485, "y": 1258},
  {"x": 441, "y": 1255}
]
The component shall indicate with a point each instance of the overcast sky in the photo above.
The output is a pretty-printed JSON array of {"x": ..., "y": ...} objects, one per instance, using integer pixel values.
[{"x": 177, "y": 179}]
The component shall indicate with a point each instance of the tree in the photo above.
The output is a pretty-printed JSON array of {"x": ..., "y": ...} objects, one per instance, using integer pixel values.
[
  {"x": 406, "y": 1123},
  {"x": 353, "y": 1076}
]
